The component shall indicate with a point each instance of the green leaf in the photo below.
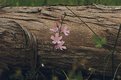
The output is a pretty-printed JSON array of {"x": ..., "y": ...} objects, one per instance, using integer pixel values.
[
  {"x": 98, "y": 45},
  {"x": 99, "y": 41}
]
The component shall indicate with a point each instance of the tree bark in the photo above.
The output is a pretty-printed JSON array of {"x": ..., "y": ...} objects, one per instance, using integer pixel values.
[{"x": 25, "y": 33}]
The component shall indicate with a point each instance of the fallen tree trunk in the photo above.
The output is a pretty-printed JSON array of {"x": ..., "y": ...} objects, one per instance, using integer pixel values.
[{"x": 24, "y": 35}]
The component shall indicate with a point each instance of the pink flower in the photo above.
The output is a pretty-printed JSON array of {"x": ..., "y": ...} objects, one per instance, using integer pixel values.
[
  {"x": 56, "y": 38},
  {"x": 65, "y": 30},
  {"x": 60, "y": 46},
  {"x": 55, "y": 28}
]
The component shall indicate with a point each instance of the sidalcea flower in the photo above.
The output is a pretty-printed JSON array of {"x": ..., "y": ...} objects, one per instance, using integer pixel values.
[
  {"x": 60, "y": 46},
  {"x": 58, "y": 29},
  {"x": 65, "y": 30},
  {"x": 55, "y": 28},
  {"x": 56, "y": 39}
]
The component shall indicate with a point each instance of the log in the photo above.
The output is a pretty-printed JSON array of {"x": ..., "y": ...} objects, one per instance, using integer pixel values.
[{"x": 25, "y": 37}]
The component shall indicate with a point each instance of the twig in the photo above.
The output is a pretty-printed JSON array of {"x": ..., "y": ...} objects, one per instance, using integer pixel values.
[
  {"x": 90, "y": 75},
  {"x": 82, "y": 21},
  {"x": 116, "y": 71},
  {"x": 65, "y": 75}
]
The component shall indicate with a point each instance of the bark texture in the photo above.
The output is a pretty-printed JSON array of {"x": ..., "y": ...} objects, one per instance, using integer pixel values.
[{"x": 24, "y": 33}]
